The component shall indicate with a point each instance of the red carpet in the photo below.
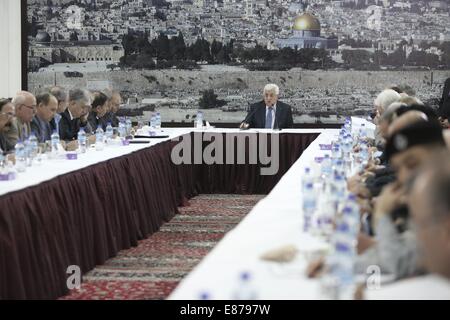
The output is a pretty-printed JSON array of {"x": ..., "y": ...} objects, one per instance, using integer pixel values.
[{"x": 154, "y": 268}]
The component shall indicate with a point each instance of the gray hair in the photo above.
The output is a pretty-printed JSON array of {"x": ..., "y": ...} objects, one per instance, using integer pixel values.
[
  {"x": 271, "y": 87},
  {"x": 407, "y": 89},
  {"x": 80, "y": 95},
  {"x": 59, "y": 93},
  {"x": 389, "y": 113},
  {"x": 20, "y": 98},
  {"x": 386, "y": 97}
]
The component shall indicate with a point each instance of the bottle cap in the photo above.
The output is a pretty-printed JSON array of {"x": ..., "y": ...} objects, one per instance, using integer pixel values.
[{"x": 245, "y": 275}]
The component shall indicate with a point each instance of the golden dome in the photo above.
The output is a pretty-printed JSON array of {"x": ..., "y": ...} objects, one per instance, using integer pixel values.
[{"x": 306, "y": 21}]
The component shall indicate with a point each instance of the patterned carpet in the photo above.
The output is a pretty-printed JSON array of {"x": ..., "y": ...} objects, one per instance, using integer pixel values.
[{"x": 154, "y": 268}]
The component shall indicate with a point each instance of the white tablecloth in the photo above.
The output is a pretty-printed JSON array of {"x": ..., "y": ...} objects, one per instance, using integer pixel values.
[
  {"x": 274, "y": 222},
  {"x": 52, "y": 168}
]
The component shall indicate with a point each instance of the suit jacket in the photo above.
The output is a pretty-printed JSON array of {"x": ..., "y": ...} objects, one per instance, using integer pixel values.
[
  {"x": 17, "y": 130},
  {"x": 39, "y": 131},
  {"x": 68, "y": 129},
  {"x": 3, "y": 144},
  {"x": 111, "y": 117},
  {"x": 94, "y": 122},
  {"x": 256, "y": 116},
  {"x": 444, "y": 103}
]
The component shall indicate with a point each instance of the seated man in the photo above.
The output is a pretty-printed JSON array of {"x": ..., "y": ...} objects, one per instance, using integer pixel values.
[
  {"x": 408, "y": 148},
  {"x": 430, "y": 210},
  {"x": 6, "y": 116},
  {"x": 269, "y": 113},
  {"x": 100, "y": 107},
  {"x": 25, "y": 108},
  {"x": 47, "y": 105},
  {"x": 444, "y": 104},
  {"x": 114, "y": 105},
  {"x": 412, "y": 143},
  {"x": 75, "y": 117},
  {"x": 61, "y": 95}
]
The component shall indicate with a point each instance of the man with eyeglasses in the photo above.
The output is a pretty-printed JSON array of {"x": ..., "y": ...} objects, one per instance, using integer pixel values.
[{"x": 25, "y": 109}]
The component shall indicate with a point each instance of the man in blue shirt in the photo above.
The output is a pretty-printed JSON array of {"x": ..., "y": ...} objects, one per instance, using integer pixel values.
[{"x": 47, "y": 105}]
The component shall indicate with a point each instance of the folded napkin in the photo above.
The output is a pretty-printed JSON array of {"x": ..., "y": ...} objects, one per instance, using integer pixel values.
[{"x": 283, "y": 254}]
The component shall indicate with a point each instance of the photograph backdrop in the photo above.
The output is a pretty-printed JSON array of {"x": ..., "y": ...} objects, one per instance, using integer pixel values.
[{"x": 330, "y": 58}]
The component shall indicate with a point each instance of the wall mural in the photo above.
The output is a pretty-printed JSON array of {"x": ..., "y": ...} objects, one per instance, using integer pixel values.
[{"x": 329, "y": 58}]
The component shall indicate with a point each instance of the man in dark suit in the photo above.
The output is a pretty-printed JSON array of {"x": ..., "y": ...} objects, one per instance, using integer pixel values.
[
  {"x": 269, "y": 113},
  {"x": 444, "y": 105},
  {"x": 75, "y": 117}
]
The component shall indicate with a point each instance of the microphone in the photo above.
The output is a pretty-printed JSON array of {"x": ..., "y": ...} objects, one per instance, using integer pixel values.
[
  {"x": 275, "y": 122},
  {"x": 244, "y": 124}
]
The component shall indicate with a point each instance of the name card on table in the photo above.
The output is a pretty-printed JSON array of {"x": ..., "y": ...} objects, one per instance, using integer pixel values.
[
  {"x": 7, "y": 176},
  {"x": 71, "y": 156},
  {"x": 325, "y": 146}
]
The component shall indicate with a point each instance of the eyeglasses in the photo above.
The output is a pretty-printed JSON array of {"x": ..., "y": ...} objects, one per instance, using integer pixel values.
[
  {"x": 32, "y": 107},
  {"x": 9, "y": 114}
]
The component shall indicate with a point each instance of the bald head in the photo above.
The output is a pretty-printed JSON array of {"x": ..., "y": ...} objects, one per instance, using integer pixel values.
[
  {"x": 25, "y": 104},
  {"x": 405, "y": 120}
]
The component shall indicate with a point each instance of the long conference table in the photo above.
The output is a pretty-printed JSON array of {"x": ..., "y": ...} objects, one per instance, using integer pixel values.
[
  {"x": 276, "y": 222},
  {"x": 81, "y": 212}
]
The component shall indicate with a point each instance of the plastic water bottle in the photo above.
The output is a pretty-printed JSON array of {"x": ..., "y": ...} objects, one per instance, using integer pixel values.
[
  {"x": 82, "y": 145},
  {"x": 33, "y": 145},
  {"x": 128, "y": 125},
  {"x": 309, "y": 206},
  {"x": 2, "y": 160},
  {"x": 245, "y": 289},
  {"x": 109, "y": 133},
  {"x": 199, "y": 120},
  {"x": 307, "y": 178},
  {"x": 21, "y": 158},
  {"x": 356, "y": 213},
  {"x": 344, "y": 259},
  {"x": 55, "y": 143},
  {"x": 122, "y": 130},
  {"x": 325, "y": 217},
  {"x": 362, "y": 132},
  {"x": 352, "y": 220},
  {"x": 153, "y": 122},
  {"x": 326, "y": 169},
  {"x": 338, "y": 189},
  {"x": 158, "y": 120},
  {"x": 28, "y": 159},
  {"x": 99, "y": 139},
  {"x": 338, "y": 167},
  {"x": 364, "y": 151}
]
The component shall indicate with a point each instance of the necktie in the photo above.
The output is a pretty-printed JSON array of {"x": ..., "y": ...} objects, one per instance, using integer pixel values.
[{"x": 269, "y": 118}]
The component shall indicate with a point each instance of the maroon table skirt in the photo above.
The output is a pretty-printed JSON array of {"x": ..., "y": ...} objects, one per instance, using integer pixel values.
[{"x": 85, "y": 217}]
